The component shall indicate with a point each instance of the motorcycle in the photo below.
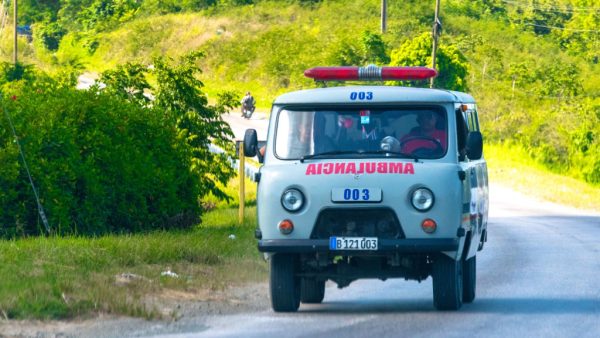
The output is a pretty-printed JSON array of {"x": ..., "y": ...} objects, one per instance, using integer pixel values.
[{"x": 247, "y": 110}]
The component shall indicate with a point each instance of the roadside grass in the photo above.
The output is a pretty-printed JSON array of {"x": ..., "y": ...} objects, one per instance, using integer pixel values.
[
  {"x": 512, "y": 167},
  {"x": 53, "y": 278}
]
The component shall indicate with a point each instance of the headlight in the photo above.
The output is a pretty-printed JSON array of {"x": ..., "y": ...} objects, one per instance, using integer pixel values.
[
  {"x": 292, "y": 200},
  {"x": 422, "y": 199}
]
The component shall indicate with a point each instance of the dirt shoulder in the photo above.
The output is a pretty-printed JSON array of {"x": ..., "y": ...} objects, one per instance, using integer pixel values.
[{"x": 182, "y": 312}]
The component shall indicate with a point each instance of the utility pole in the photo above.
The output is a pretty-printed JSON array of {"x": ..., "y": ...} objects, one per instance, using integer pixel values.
[
  {"x": 15, "y": 49},
  {"x": 437, "y": 30},
  {"x": 383, "y": 15}
]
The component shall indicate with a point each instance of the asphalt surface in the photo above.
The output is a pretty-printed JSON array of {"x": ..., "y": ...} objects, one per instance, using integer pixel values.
[
  {"x": 538, "y": 276},
  {"x": 258, "y": 121}
]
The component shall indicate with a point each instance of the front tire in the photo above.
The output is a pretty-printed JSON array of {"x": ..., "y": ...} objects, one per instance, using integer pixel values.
[
  {"x": 469, "y": 279},
  {"x": 284, "y": 285},
  {"x": 447, "y": 283},
  {"x": 312, "y": 291}
]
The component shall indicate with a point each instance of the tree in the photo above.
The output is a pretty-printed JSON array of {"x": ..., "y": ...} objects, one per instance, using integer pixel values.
[
  {"x": 374, "y": 48},
  {"x": 178, "y": 95},
  {"x": 581, "y": 33},
  {"x": 520, "y": 73},
  {"x": 31, "y": 11},
  {"x": 50, "y": 33},
  {"x": 560, "y": 80},
  {"x": 477, "y": 8},
  {"x": 539, "y": 16},
  {"x": 347, "y": 54},
  {"x": 128, "y": 82},
  {"x": 452, "y": 65},
  {"x": 369, "y": 49}
]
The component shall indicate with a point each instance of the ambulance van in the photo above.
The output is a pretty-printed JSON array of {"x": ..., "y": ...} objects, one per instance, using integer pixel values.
[{"x": 371, "y": 181}]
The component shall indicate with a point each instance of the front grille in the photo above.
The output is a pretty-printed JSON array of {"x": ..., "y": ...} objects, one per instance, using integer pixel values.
[{"x": 371, "y": 222}]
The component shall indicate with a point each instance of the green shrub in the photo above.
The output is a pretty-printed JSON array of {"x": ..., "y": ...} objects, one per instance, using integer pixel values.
[
  {"x": 450, "y": 62},
  {"x": 50, "y": 34},
  {"x": 103, "y": 163}
]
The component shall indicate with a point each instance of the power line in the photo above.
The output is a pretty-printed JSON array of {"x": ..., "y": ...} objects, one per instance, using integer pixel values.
[
  {"x": 557, "y": 9},
  {"x": 35, "y": 193},
  {"x": 553, "y": 8},
  {"x": 562, "y": 28}
]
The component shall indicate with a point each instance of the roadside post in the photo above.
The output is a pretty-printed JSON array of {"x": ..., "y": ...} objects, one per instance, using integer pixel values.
[{"x": 242, "y": 174}]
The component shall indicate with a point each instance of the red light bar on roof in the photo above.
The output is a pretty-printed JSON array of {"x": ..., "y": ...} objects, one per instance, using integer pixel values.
[{"x": 369, "y": 73}]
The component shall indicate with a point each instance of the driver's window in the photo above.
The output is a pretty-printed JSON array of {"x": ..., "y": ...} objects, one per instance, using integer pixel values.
[
  {"x": 294, "y": 134},
  {"x": 427, "y": 134},
  {"x": 461, "y": 134}
]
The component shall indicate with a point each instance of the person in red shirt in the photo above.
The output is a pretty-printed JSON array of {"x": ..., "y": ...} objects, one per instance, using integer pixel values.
[{"x": 425, "y": 138}]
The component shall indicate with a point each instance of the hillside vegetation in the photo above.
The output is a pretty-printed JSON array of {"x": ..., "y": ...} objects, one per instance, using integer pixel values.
[{"x": 532, "y": 64}]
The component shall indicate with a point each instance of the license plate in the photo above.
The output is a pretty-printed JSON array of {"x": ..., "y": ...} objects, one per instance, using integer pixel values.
[
  {"x": 353, "y": 243},
  {"x": 356, "y": 195}
]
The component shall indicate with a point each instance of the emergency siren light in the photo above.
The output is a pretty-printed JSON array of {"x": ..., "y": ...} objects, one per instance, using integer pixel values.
[{"x": 369, "y": 73}]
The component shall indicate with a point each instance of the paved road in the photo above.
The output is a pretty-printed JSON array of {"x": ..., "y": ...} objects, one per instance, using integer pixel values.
[
  {"x": 539, "y": 276},
  {"x": 259, "y": 121}
]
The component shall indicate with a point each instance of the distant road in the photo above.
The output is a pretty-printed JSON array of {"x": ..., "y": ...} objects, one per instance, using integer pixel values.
[{"x": 259, "y": 121}]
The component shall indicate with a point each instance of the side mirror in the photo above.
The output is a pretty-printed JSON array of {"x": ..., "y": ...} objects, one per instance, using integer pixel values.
[
  {"x": 250, "y": 143},
  {"x": 474, "y": 145}
]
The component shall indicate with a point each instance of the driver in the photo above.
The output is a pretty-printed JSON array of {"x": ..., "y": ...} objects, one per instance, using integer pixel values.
[{"x": 425, "y": 135}]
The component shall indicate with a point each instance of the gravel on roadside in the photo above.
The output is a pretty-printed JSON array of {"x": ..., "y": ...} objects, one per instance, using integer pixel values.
[{"x": 182, "y": 311}]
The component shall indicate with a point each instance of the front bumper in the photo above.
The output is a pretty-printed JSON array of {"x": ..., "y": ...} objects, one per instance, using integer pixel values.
[{"x": 384, "y": 246}]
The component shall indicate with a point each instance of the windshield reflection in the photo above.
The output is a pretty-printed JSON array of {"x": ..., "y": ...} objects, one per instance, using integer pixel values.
[{"x": 415, "y": 133}]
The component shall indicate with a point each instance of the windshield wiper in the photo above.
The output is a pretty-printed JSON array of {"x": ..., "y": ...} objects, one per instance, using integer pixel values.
[
  {"x": 335, "y": 152},
  {"x": 361, "y": 152},
  {"x": 391, "y": 153}
]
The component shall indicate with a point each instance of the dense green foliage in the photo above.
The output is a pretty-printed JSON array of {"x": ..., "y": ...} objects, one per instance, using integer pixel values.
[
  {"x": 530, "y": 63},
  {"x": 451, "y": 63},
  {"x": 107, "y": 160}
]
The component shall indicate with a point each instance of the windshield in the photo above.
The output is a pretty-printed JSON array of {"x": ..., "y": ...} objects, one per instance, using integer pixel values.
[{"x": 410, "y": 132}]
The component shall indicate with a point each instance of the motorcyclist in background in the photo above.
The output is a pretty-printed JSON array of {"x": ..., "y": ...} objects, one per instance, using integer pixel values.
[{"x": 248, "y": 105}]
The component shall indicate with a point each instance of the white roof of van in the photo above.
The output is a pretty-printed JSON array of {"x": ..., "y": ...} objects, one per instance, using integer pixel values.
[{"x": 381, "y": 94}]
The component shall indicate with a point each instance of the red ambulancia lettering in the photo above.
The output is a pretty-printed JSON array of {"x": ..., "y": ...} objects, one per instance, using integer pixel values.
[
  {"x": 370, "y": 167},
  {"x": 351, "y": 168},
  {"x": 396, "y": 168},
  {"x": 360, "y": 168}
]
